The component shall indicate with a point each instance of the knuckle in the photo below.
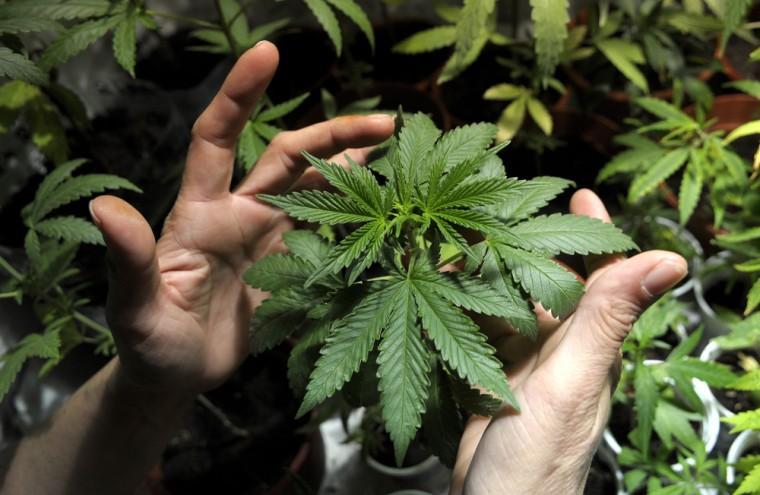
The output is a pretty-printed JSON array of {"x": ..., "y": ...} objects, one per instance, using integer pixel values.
[{"x": 614, "y": 317}]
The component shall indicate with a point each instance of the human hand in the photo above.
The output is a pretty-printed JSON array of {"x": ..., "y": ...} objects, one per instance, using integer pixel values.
[
  {"x": 563, "y": 381},
  {"x": 178, "y": 309}
]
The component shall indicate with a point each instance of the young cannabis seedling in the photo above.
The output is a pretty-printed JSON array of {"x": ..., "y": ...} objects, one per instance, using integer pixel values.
[{"x": 377, "y": 296}]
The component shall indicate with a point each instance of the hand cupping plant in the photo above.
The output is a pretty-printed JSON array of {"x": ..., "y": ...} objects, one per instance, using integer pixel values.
[{"x": 381, "y": 286}]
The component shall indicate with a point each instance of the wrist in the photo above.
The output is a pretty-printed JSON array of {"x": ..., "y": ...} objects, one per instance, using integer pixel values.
[{"x": 157, "y": 404}]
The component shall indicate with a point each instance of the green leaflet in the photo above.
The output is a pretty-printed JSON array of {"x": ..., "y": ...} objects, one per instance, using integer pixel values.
[
  {"x": 550, "y": 18},
  {"x": 44, "y": 345},
  {"x": 557, "y": 289},
  {"x": 461, "y": 344},
  {"x": 15, "y": 65},
  {"x": 403, "y": 370},
  {"x": 442, "y": 424},
  {"x": 320, "y": 206},
  {"x": 657, "y": 172},
  {"x": 427, "y": 40},
  {"x": 528, "y": 196},
  {"x": 348, "y": 346},
  {"x": 571, "y": 234},
  {"x": 125, "y": 42},
  {"x": 75, "y": 40},
  {"x": 278, "y": 271},
  {"x": 518, "y": 312},
  {"x": 625, "y": 56},
  {"x": 647, "y": 395}
]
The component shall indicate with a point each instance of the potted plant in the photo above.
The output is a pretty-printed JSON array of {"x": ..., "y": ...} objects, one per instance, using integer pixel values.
[{"x": 379, "y": 285}]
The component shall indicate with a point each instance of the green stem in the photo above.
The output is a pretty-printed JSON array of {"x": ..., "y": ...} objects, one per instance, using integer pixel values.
[
  {"x": 90, "y": 323},
  {"x": 8, "y": 268},
  {"x": 9, "y": 295},
  {"x": 225, "y": 26},
  {"x": 450, "y": 259},
  {"x": 182, "y": 18}
]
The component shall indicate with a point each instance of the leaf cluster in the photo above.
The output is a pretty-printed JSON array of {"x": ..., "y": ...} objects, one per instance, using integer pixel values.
[
  {"x": 675, "y": 142},
  {"x": 376, "y": 299},
  {"x": 48, "y": 280}
]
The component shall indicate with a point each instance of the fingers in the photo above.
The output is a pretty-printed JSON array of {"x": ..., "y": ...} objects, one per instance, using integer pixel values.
[
  {"x": 211, "y": 155},
  {"x": 608, "y": 310},
  {"x": 473, "y": 432},
  {"x": 134, "y": 278},
  {"x": 282, "y": 164},
  {"x": 585, "y": 202}
]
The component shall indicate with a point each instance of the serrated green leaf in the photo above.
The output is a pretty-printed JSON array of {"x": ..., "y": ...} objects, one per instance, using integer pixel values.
[
  {"x": 451, "y": 236},
  {"x": 529, "y": 197},
  {"x": 357, "y": 183},
  {"x": 734, "y": 12},
  {"x": 570, "y": 234},
  {"x": 17, "y": 66},
  {"x": 747, "y": 420},
  {"x": 45, "y": 345},
  {"x": 714, "y": 374},
  {"x": 646, "y": 398},
  {"x": 278, "y": 271},
  {"x": 470, "y": 219},
  {"x": 442, "y": 424},
  {"x": 307, "y": 245},
  {"x": 557, "y": 289},
  {"x": 320, "y": 206},
  {"x": 664, "y": 110},
  {"x": 691, "y": 186},
  {"x": 629, "y": 161},
  {"x": 76, "y": 188},
  {"x": 518, "y": 312},
  {"x": 27, "y": 25},
  {"x": 461, "y": 143},
  {"x": 326, "y": 18},
  {"x": 749, "y": 381},
  {"x": 464, "y": 291},
  {"x": 427, "y": 40},
  {"x": 55, "y": 9},
  {"x": 368, "y": 237},
  {"x": 278, "y": 317},
  {"x": 461, "y": 344},
  {"x": 471, "y": 400},
  {"x": 33, "y": 249},
  {"x": 70, "y": 228},
  {"x": 751, "y": 482},
  {"x": 281, "y": 109},
  {"x": 672, "y": 422},
  {"x": 474, "y": 25},
  {"x": 657, "y": 172},
  {"x": 540, "y": 115},
  {"x": 249, "y": 146},
  {"x": 125, "y": 42},
  {"x": 744, "y": 334},
  {"x": 550, "y": 19},
  {"x": 75, "y": 40},
  {"x": 265, "y": 30},
  {"x": 476, "y": 192},
  {"x": 403, "y": 370},
  {"x": 348, "y": 346},
  {"x": 625, "y": 55},
  {"x": 416, "y": 140},
  {"x": 354, "y": 12}
]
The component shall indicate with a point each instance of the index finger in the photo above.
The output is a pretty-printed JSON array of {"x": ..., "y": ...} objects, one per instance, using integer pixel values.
[{"x": 211, "y": 157}]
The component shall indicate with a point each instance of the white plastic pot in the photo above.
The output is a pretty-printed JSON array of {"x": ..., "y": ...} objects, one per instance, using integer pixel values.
[
  {"x": 716, "y": 269},
  {"x": 743, "y": 442},
  {"x": 609, "y": 458},
  {"x": 711, "y": 352},
  {"x": 695, "y": 263},
  {"x": 403, "y": 472}
]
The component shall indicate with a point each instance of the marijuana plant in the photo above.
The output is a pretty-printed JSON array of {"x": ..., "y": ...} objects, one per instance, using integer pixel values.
[
  {"x": 377, "y": 295},
  {"x": 747, "y": 420},
  {"x": 682, "y": 143},
  {"x": 48, "y": 281}
]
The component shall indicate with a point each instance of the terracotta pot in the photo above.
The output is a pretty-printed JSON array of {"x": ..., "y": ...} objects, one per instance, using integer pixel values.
[{"x": 731, "y": 111}]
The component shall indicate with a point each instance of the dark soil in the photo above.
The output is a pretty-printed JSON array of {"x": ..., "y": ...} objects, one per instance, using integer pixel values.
[
  {"x": 728, "y": 294},
  {"x": 206, "y": 457},
  {"x": 416, "y": 454}
]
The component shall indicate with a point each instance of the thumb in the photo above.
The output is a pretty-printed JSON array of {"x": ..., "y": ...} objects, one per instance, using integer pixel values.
[
  {"x": 133, "y": 268},
  {"x": 612, "y": 304}
]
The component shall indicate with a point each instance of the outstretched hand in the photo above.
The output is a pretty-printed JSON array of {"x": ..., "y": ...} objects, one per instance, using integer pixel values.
[
  {"x": 563, "y": 380},
  {"x": 178, "y": 309}
]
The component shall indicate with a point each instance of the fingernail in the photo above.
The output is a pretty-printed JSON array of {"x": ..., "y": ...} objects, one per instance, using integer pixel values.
[
  {"x": 664, "y": 275},
  {"x": 260, "y": 42},
  {"x": 92, "y": 213}
]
